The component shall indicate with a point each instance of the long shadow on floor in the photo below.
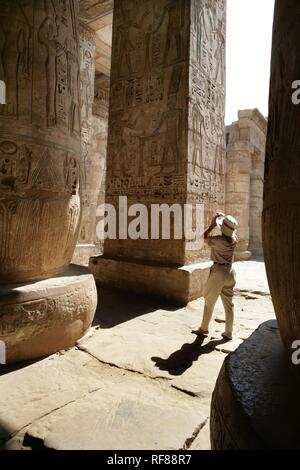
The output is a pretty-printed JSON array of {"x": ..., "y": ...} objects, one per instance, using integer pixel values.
[
  {"x": 116, "y": 307},
  {"x": 179, "y": 361}
]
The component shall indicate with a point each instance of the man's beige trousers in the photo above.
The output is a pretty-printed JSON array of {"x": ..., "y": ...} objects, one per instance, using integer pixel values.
[{"x": 221, "y": 282}]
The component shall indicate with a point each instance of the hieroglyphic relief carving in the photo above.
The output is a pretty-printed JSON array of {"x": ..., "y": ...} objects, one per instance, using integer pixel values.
[
  {"x": 33, "y": 317},
  {"x": 87, "y": 79},
  {"x": 61, "y": 65},
  {"x": 172, "y": 119},
  {"x": 166, "y": 129},
  {"x": 198, "y": 135},
  {"x": 153, "y": 54},
  {"x": 7, "y": 211},
  {"x": 175, "y": 19},
  {"x": 147, "y": 94},
  {"x": 39, "y": 46},
  {"x": 16, "y": 42},
  {"x": 101, "y": 98},
  {"x": 208, "y": 94},
  {"x": 26, "y": 167}
]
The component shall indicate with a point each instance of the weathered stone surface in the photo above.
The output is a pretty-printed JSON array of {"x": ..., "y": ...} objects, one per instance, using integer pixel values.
[
  {"x": 114, "y": 417},
  {"x": 90, "y": 244},
  {"x": 251, "y": 277},
  {"x": 83, "y": 252},
  {"x": 229, "y": 346},
  {"x": 179, "y": 285},
  {"x": 39, "y": 139},
  {"x": 94, "y": 125},
  {"x": 202, "y": 441},
  {"x": 166, "y": 384},
  {"x": 282, "y": 183},
  {"x": 33, "y": 392},
  {"x": 246, "y": 140},
  {"x": 41, "y": 318},
  {"x": 90, "y": 187},
  {"x": 143, "y": 329},
  {"x": 163, "y": 148},
  {"x": 256, "y": 393},
  {"x": 199, "y": 379},
  {"x": 109, "y": 409}
]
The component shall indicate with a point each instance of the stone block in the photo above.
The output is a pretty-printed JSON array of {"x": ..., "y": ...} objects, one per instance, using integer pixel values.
[
  {"x": 131, "y": 413},
  {"x": 83, "y": 252},
  {"x": 35, "y": 391},
  {"x": 178, "y": 285}
]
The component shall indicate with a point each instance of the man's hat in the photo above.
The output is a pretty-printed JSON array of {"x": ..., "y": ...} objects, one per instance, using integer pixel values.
[{"x": 227, "y": 225}]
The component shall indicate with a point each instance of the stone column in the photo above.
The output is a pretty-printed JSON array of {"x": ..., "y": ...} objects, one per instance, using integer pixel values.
[
  {"x": 85, "y": 244},
  {"x": 99, "y": 144},
  {"x": 256, "y": 202},
  {"x": 281, "y": 214},
  {"x": 246, "y": 140},
  {"x": 238, "y": 169},
  {"x": 166, "y": 137},
  {"x": 40, "y": 140},
  {"x": 39, "y": 179},
  {"x": 257, "y": 387}
]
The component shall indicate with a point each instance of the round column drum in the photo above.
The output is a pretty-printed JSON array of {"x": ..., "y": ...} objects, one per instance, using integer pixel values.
[
  {"x": 281, "y": 216},
  {"x": 39, "y": 138}
]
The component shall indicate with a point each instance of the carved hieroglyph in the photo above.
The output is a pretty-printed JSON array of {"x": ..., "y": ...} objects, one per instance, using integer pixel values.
[
  {"x": 39, "y": 137},
  {"x": 40, "y": 318},
  {"x": 87, "y": 79},
  {"x": 93, "y": 191},
  {"x": 99, "y": 145},
  {"x": 281, "y": 236},
  {"x": 166, "y": 139}
]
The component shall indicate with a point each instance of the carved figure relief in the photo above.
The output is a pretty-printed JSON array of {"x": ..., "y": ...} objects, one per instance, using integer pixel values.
[
  {"x": 219, "y": 54},
  {"x": 172, "y": 122},
  {"x": 15, "y": 41},
  {"x": 61, "y": 67},
  {"x": 198, "y": 132},
  {"x": 149, "y": 112},
  {"x": 39, "y": 191},
  {"x": 175, "y": 19},
  {"x": 7, "y": 211}
]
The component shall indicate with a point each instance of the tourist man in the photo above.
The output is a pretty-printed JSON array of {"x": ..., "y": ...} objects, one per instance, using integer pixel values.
[{"x": 221, "y": 280}]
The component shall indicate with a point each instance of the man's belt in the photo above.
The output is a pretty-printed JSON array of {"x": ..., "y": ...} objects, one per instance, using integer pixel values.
[{"x": 222, "y": 264}]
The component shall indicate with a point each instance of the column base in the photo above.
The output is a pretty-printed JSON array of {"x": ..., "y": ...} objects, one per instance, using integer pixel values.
[
  {"x": 41, "y": 318},
  {"x": 257, "y": 251},
  {"x": 242, "y": 255},
  {"x": 255, "y": 404},
  {"x": 178, "y": 285},
  {"x": 83, "y": 253}
]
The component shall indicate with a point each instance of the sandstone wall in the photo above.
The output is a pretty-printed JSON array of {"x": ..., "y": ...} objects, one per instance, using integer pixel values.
[{"x": 246, "y": 140}]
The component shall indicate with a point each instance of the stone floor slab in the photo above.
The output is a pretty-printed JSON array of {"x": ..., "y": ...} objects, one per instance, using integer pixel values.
[
  {"x": 32, "y": 392},
  {"x": 137, "y": 413}
]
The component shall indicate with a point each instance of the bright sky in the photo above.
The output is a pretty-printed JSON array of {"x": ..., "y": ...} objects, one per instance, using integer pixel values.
[{"x": 249, "y": 38}]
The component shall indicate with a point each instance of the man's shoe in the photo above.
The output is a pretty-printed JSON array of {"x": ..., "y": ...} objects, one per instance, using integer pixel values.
[
  {"x": 200, "y": 332},
  {"x": 227, "y": 336}
]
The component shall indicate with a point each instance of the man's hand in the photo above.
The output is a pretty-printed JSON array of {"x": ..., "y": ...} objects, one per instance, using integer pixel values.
[
  {"x": 213, "y": 224},
  {"x": 214, "y": 219}
]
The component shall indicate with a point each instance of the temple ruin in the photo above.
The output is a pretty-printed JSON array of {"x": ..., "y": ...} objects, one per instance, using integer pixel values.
[{"x": 108, "y": 100}]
